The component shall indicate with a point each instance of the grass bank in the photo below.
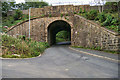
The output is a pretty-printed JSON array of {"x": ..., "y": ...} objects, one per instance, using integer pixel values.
[
  {"x": 21, "y": 47},
  {"x": 105, "y": 19}
]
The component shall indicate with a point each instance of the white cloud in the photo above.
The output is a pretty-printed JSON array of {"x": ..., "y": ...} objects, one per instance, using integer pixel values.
[
  {"x": 19, "y": 1},
  {"x": 63, "y": 2},
  {"x": 66, "y": 2}
]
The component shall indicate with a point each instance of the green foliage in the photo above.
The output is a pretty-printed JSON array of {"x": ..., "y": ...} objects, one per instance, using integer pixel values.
[
  {"x": 18, "y": 14},
  {"x": 22, "y": 46},
  {"x": 108, "y": 20},
  {"x": 36, "y": 4},
  {"x": 25, "y": 17},
  {"x": 113, "y": 27},
  {"x": 115, "y": 22},
  {"x": 61, "y": 15},
  {"x": 75, "y": 13},
  {"x": 42, "y": 15},
  {"x": 84, "y": 11},
  {"x": 80, "y": 10},
  {"x": 113, "y": 7},
  {"x": 11, "y": 20},
  {"x": 101, "y": 17},
  {"x": 111, "y": 3},
  {"x": 22, "y": 37},
  {"x": 50, "y": 15},
  {"x": 66, "y": 14},
  {"x": 91, "y": 15},
  {"x": 62, "y": 36},
  {"x": 6, "y": 6}
]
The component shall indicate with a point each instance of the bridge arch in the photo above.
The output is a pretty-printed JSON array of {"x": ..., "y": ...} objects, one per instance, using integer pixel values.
[{"x": 55, "y": 27}]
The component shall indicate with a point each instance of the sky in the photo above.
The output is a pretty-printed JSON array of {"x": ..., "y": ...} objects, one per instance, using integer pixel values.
[{"x": 66, "y": 2}]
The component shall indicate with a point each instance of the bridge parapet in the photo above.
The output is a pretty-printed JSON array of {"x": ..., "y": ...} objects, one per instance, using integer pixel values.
[{"x": 58, "y": 10}]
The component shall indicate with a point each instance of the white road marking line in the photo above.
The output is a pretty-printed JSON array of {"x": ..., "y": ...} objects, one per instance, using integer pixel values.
[{"x": 95, "y": 55}]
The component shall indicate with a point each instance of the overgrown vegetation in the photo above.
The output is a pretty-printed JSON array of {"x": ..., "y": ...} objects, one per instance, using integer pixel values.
[
  {"x": 18, "y": 16},
  {"x": 8, "y": 5},
  {"x": 106, "y": 19},
  {"x": 113, "y": 7},
  {"x": 91, "y": 15},
  {"x": 21, "y": 47},
  {"x": 62, "y": 36},
  {"x": 14, "y": 19}
]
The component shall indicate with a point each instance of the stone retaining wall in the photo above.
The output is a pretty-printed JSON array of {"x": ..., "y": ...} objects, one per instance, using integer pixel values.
[{"x": 89, "y": 34}]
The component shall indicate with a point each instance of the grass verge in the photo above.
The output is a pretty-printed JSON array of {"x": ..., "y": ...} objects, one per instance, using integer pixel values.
[
  {"x": 21, "y": 47},
  {"x": 98, "y": 49}
]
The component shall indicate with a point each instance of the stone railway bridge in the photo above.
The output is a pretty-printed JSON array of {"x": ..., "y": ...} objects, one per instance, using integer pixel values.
[{"x": 84, "y": 33}]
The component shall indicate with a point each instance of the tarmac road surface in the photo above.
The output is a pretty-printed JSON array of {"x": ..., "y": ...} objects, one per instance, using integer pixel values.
[{"x": 59, "y": 61}]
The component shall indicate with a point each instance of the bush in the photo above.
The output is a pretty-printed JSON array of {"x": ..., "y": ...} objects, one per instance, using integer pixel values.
[
  {"x": 11, "y": 19},
  {"x": 75, "y": 12},
  {"x": 80, "y": 10},
  {"x": 18, "y": 14},
  {"x": 61, "y": 15},
  {"x": 7, "y": 23},
  {"x": 101, "y": 17},
  {"x": 84, "y": 11},
  {"x": 66, "y": 15},
  {"x": 91, "y": 15},
  {"x": 108, "y": 21},
  {"x": 113, "y": 27},
  {"x": 22, "y": 37},
  {"x": 24, "y": 48},
  {"x": 115, "y": 22},
  {"x": 50, "y": 15}
]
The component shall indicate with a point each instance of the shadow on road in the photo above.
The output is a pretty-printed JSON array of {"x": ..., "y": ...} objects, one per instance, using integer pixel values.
[{"x": 64, "y": 43}]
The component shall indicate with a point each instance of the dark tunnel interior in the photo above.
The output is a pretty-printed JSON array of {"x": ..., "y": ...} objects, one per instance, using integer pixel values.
[{"x": 55, "y": 27}]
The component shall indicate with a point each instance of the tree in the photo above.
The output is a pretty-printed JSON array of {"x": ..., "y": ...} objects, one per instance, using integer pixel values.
[
  {"x": 113, "y": 5},
  {"x": 18, "y": 14},
  {"x": 6, "y": 6},
  {"x": 36, "y": 4},
  {"x": 21, "y": 6}
]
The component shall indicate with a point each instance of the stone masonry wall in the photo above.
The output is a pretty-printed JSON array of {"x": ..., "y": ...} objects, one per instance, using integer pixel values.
[
  {"x": 89, "y": 34},
  {"x": 57, "y": 10},
  {"x": 84, "y": 33},
  {"x": 38, "y": 28}
]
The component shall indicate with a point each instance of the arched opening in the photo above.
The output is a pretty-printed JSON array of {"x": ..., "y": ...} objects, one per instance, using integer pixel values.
[
  {"x": 56, "y": 27},
  {"x": 63, "y": 37}
]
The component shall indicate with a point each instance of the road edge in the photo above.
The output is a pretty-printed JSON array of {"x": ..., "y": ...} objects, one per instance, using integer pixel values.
[
  {"x": 108, "y": 58},
  {"x": 22, "y": 58}
]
